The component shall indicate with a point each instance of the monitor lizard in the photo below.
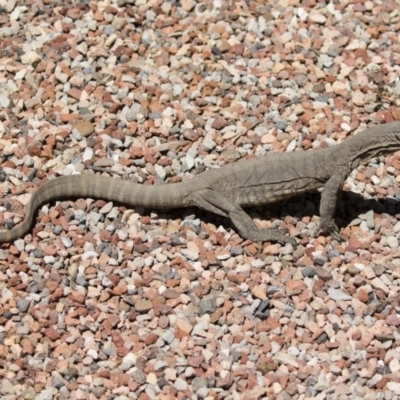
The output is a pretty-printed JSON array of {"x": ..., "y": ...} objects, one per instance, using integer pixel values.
[{"x": 224, "y": 191}]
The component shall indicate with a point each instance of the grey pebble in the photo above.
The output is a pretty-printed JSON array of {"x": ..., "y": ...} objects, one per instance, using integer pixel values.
[
  {"x": 199, "y": 383},
  {"x": 202, "y": 393},
  {"x": 38, "y": 253},
  {"x": 369, "y": 218},
  {"x": 58, "y": 229},
  {"x": 139, "y": 376},
  {"x": 147, "y": 38},
  {"x": 301, "y": 79},
  {"x": 47, "y": 394},
  {"x": 57, "y": 380},
  {"x": 81, "y": 281},
  {"x": 187, "y": 163},
  {"x": 106, "y": 282},
  {"x": 180, "y": 385},
  {"x": 7, "y": 314},
  {"x": 20, "y": 244},
  {"x": 332, "y": 254},
  {"x": 160, "y": 365},
  {"x": 108, "y": 30},
  {"x": 94, "y": 218},
  {"x": 320, "y": 262},
  {"x": 338, "y": 295},
  {"x": 207, "y": 305},
  {"x": 237, "y": 251},
  {"x": 282, "y": 125},
  {"x": 131, "y": 116},
  {"x": 80, "y": 215},
  {"x": 255, "y": 100},
  {"x": 23, "y": 305},
  {"x": 168, "y": 336},
  {"x": 33, "y": 287},
  {"x": 272, "y": 289},
  {"x": 155, "y": 115},
  {"x": 322, "y": 338},
  {"x": 3, "y": 175},
  {"x": 308, "y": 272},
  {"x": 162, "y": 382},
  {"x": 208, "y": 143},
  {"x": 23, "y": 330},
  {"x": 99, "y": 391},
  {"x": 199, "y": 327},
  {"x": 140, "y": 162},
  {"x": 109, "y": 351}
]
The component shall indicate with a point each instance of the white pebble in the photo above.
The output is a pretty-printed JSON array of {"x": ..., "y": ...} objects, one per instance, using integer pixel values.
[
  {"x": 345, "y": 126},
  {"x": 318, "y": 18},
  {"x": 302, "y": 14},
  {"x": 93, "y": 353},
  {"x": 394, "y": 387},
  {"x": 87, "y": 154},
  {"x": 393, "y": 242},
  {"x": 4, "y": 99},
  {"x": 30, "y": 57}
]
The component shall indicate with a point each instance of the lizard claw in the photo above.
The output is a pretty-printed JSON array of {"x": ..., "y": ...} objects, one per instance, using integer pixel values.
[
  {"x": 329, "y": 229},
  {"x": 336, "y": 235}
]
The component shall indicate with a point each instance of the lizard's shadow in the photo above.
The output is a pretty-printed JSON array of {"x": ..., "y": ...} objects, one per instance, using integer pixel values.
[
  {"x": 299, "y": 206},
  {"x": 354, "y": 204}
]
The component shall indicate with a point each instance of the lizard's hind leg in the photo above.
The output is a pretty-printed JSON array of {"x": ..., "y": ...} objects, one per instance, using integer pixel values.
[{"x": 215, "y": 202}]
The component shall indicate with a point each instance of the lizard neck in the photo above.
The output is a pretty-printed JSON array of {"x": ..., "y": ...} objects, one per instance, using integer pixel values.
[{"x": 377, "y": 141}]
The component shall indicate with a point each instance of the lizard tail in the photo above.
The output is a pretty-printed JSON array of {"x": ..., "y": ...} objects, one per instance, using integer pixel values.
[{"x": 100, "y": 187}]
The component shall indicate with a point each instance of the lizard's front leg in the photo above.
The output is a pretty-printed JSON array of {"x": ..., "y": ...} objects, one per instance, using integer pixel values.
[{"x": 329, "y": 200}]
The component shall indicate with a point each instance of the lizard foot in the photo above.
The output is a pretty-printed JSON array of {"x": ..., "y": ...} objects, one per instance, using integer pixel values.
[
  {"x": 275, "y": 235},
  {"x": 329, "y": 228}
]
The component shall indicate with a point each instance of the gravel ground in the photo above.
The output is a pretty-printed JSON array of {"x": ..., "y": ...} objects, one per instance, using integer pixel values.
[{"x": 104, "y": 302}]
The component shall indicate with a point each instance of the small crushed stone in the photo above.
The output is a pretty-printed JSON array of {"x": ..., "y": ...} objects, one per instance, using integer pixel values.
[{"x": 100, "y": 301}]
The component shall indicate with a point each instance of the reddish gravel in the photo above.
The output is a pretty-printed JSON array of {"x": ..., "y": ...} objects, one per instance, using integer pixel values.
[{"x": 104, "y": 302}]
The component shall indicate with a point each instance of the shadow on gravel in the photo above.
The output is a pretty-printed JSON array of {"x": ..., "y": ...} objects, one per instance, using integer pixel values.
[
  {"x": 299, "y": 206},
  {"x": 354, "y": 205}
]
